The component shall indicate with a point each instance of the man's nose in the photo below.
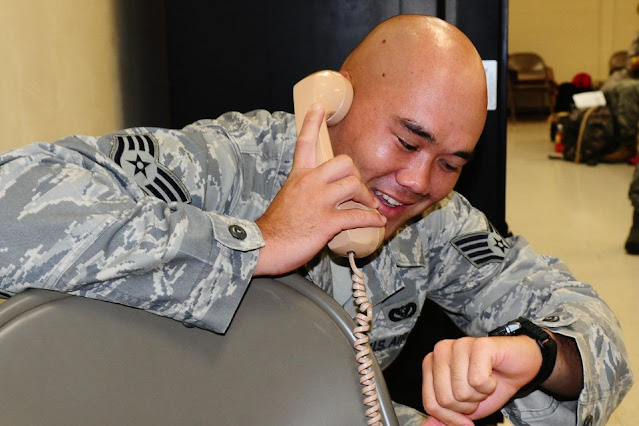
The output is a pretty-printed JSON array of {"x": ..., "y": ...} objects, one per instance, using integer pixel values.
[{"x": 416, "y": 177}]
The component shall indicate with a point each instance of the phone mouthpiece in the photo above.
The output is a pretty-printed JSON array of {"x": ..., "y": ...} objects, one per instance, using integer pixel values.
[{"x": 361, "y": 241}]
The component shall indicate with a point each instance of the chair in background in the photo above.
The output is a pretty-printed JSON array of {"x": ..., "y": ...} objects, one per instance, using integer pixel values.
[{"x": 531, "y": 83}]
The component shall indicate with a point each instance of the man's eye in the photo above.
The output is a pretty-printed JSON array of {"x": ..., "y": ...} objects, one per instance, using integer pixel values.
[
  {"x": 406, "y": 145},
  {"x": 449, "y": 167}
]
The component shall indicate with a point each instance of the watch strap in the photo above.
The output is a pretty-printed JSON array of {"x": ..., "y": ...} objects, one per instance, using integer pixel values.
[{"x": 547, "y": 346}]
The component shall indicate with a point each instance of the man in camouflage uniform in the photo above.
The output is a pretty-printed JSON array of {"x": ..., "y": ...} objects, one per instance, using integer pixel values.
[
  {"x": 178, "y": 222},
  {"x": 622, "y": 95}
]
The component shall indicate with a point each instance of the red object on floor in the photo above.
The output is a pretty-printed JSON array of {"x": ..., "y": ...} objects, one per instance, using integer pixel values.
[
  {"x": 634, "y": 160},
  {"x": 559, "y": 139}
]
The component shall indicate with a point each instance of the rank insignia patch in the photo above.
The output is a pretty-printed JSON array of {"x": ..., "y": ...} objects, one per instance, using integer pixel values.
[
  {"x": 482, "y": 247},
  {"x": 138, "y": 157}
]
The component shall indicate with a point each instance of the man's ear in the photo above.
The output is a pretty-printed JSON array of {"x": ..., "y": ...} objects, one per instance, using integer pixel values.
[{"x": 346, "y": 74}]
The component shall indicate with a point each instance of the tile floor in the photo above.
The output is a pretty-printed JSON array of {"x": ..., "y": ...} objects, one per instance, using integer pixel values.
[{"x": 582, "y": 215}]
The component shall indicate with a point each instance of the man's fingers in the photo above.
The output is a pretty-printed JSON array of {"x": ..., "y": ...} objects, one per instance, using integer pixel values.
[
  {"x": 470, "y": 374},
  {"x": 481, "y": 367},
  {"x": 447, "y": 383},
  {"x": 351, "y": 189},
  {"x": 306, "y": 147},
  {"x": 340, "y": 181},
  {"x": 337, "y": 168},
  {"x": 430, "y": 401},
  {"x": 353, "y": 217}
]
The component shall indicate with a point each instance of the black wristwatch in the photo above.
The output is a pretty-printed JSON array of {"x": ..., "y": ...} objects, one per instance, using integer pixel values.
[{"x": 548, "y": 347}]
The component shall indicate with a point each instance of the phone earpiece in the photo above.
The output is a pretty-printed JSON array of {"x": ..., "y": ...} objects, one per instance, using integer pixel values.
[
  {"x": 337, "y": 98},
  {"x": 329, "y": 88}
]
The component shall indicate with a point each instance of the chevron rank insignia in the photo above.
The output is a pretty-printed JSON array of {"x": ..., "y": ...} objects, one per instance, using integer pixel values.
[
  {"x": 481, "y": 248},
  {"x": 138, "y": 157}
]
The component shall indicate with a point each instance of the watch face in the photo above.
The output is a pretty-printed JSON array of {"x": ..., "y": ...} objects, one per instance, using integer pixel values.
[
  {"x": 502, "y": 330},
  {"x": 512, "y": 327}
]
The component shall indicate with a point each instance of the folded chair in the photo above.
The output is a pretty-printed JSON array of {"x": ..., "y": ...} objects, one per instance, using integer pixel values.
[
  {"x": 531, "y": 83},
  {"x": 287, "y": 359}
]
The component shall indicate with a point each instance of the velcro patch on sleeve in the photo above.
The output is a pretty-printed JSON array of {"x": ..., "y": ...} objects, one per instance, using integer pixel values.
[{"x": 481, "y": 248}]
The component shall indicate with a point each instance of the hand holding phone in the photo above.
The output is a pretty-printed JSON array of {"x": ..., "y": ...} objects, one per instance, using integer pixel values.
[{"x": 335, "y": 93}]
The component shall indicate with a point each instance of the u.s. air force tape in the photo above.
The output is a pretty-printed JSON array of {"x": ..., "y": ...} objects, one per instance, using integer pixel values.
[
  {"x": 482, "y": 247},
  {"x": 138, "y": 156}
]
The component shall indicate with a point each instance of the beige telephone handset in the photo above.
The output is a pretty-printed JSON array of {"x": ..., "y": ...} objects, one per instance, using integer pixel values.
[{"x": 335, "y": 93}]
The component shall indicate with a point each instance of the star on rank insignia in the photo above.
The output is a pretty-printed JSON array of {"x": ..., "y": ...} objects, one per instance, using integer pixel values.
[
  {"x": 138, "y": 157},
  {"x": 481, "y": 248}
]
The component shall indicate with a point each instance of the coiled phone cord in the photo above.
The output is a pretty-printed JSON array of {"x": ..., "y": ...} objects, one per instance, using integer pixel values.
[{"x": 363, "y": 356}]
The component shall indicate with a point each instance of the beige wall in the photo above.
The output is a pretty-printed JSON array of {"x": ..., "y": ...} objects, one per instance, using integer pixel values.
[
  {"x": 573, "y": 35},
  {"x": 59, "y": 70}
]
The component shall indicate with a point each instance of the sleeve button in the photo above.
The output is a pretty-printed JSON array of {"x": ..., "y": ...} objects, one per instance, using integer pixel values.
[
  {"x": 237, "y": 232},
  {"x": 551, "y": 318},
  {"x": 588, "y": 420}
]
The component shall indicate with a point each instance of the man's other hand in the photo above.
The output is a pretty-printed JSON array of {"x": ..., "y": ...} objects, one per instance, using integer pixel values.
[{"x": 470, "y": 378}]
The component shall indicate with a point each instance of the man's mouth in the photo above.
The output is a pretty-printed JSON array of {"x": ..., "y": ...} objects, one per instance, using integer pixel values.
[{"x": 387, "y": 199}]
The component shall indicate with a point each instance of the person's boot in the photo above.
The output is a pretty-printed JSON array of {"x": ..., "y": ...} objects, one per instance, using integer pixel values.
[
  {"x": 621, "y": 155},
  {"x": 632, "y": 243}
]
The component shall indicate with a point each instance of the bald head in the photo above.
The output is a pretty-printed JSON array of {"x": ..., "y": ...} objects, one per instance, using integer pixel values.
[
  {"x": 410, "y": 44},
  {"x": 424, "y": 63}
]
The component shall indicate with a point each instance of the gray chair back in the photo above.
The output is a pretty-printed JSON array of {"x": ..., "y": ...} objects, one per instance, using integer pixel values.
[{"x": 287, "y": 359}]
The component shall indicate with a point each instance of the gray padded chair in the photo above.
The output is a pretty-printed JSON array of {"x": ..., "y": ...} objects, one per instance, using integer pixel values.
[{"x": 287, "y": 359}]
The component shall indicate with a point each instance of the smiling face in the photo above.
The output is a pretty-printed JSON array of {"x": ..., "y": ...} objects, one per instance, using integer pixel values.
[{"x": 419, "y": 107}]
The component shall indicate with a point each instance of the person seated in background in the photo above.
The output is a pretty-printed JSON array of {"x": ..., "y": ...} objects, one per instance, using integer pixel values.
[
  {"x": 177, "y": 222},
  {"x": 581, "y": 82},
  {"x": 622, "y": 95}
]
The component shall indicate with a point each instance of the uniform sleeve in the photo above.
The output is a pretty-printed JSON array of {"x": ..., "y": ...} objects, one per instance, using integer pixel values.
[
  {"x": 484, "y": 281},
  {"x": 76, "y": 222}
]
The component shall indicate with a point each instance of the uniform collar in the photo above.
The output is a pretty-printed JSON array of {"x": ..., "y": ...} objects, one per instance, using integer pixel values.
[
  {"x": 383, "y": 275},
  {"x": 406, "y": 246}
]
